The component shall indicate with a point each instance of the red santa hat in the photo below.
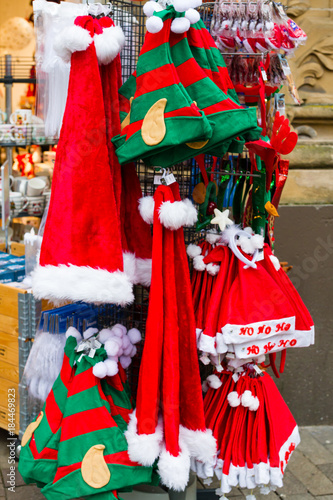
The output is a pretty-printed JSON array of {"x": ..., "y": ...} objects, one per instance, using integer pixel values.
[
  {"x": 81, "y": 255},
  {"x": 169, "y": 424}
]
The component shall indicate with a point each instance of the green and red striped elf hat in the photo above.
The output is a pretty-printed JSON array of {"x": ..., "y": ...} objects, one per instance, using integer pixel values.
[
  {"x": 162, "y": 115},
  {"x": 39, "y": 452}
]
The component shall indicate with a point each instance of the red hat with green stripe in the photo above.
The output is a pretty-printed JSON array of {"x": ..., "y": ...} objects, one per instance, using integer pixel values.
[{"x": 162, "y": 115}]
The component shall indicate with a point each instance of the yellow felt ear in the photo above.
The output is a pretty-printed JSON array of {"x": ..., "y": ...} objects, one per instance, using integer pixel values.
[
  {"x": 197, "y": 144},
  {"x": 271, "y": 209},
  {"x": 126, "y": 120},
  {"x": 94, "y": 470},
  {"x": 153, "y": 128},
  {"x": 31, "y": 429},
  {"x": 199, "y": 193}
]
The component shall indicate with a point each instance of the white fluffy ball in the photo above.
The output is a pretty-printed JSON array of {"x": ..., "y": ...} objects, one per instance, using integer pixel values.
[
  {"x": 73, "y": 332},
  {"x": 89, "y": 332},
  {"x": 257, "y": 241},
  {"x": 126, "y": 342},
  {"x": 246, "y": 398},
  {"x": 150, "y": 7},
  {"x": 134, "y": 335},
  {"x": 104, "y": 335},
  {"x": 193, "y": 250},
  {"x": 125, "y": 361},
  {"x": 181, "y": 5},
  {"x": 111, "y": 367},
  {"x": 198, "y": 263},
  {"x": 133, "y": 351},
  {"x": 118, "y": 330},
  {"x": 112, "y": 347},
  {"x": 214, "y": 382},
  {"x": 99, "y": 370},
  {"x": 154, "y": 24},
  {"x": 192, "y": 15},
  {"x": 180, "y": 25},
  {"x": 233, "y": 399}
]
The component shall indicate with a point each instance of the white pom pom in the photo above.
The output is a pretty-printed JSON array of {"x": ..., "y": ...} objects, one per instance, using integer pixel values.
[
  {"x": 255, "y": 403},
  {"x": 246, "y": 398},
  {"x": 181, "y": 5},
  {"x": 134, "y": 335},
  {"x": 150, "y": 7},
  {"x": 111, "y": 367},
  {"x": 127, "y": 350},
  {"x": 214, "y": 382},
  {"x": 205, "y": 386},
  {"x": 191, "y": 212},
  {"x": 73, "y": 332},
  {"x": 104, "y": 335},
  {"x": 198, "y": 263},
  {"x": 133, "y": 351},
  {"x": 89, "y": 332},
  {"x": 257, "y": 241},
  {"x": 113, "y": 358},
  {"x": 112, "y": 347},
  {"x": 118, "y": 330},
  {"x": 126, "y": 342},
  {"x": 195, "y": 3},
  {"x": 154, "y": 24},
  {"x": 265, "y": 490},
  {"x": 212, "y": 269},
  {"x": 180, "y": 25},
  {"x": 250, "y": 497},
  {"x": 233, "y": 399},
  {"x": 192, "y": 15},
  {"x": 246, "y": 244},
  {"x": 125, "y": 361},
  {"x": 146, "y": 205},
  {"x": 99, "y": 370},
  {"x": 193, "y": 250},
  {"x": 249, "y": 230}
]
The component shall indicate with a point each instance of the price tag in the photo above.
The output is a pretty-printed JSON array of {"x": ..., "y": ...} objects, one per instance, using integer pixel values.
[
  {"x": 92, "y": 353},
  {"x": 169, "y": 179},
  {"x": 97, "y": 344},
  {"x": 263, "y": 74},
  {"x": 257, "y": 369},
  {"x": 157, "y": 179}
]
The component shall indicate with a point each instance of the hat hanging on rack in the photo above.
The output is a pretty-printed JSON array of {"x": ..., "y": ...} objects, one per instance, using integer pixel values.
[{"x": 81, "y": 254}]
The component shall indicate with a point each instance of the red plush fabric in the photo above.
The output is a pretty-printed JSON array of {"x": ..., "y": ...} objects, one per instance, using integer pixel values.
[{"x": 82, "y": 226}]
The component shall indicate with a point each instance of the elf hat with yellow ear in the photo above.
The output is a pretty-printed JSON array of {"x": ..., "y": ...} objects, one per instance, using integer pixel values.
[{"x": 162, "y": 115}]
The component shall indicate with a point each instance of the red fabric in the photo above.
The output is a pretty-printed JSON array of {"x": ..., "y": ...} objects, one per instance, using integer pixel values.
[
  {"x": 138, "y": 232},
  {"x": 82, "y": 226},
  {"x": 89, "y": 421},
  {"x": 169, "y": 373},
  {"x": 53, "y": 412}
]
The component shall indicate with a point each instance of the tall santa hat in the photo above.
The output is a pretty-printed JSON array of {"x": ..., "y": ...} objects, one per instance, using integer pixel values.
[
  {"x": 169, "y": 423},
  {"x": 81, "y": 255}
]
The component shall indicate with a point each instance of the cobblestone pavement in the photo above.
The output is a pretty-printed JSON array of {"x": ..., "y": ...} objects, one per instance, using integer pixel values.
[{"x": 309, "y": 473}]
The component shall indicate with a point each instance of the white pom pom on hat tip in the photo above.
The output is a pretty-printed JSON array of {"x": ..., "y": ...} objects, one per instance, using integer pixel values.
[
  {"x": 154, "y": 24},
  {"x": 180, "y": 25},
  {"x": 192, "y": 15}
]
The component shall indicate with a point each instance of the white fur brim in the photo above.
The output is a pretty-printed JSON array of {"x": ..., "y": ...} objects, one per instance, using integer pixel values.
[
  {"x": 109, "y": 43},
  {"x": 74, "y": 283},
  {"x": 72, "y": 39},
  {"x": 143, "y": 448},
  {"x": 207, "y": 344},
  {"x": 146, "y": 208},
  {"x": 137, "y": 270},
  {"x": 200, "y": 444}
]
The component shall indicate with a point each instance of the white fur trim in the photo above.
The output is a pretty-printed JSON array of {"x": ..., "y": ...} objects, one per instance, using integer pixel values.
[
  {"x": 180, "y": 25},
  {"x": 154, "y": 24},
  {"x": 143, "y": 271},
  {"x": 201, "y": 444},
  {"x": 173, "y": 215},
  {"x": 146, "y": 208},
  {"x": 198, "y": 263},
  {"x": 174, "y": 471},
  {"x": 130, "y": 266},
  {"x": 192, "y": 15},
  {"x": 109, "y": 43},
  {"x": 62, "y": 283},
  {"x": 72, "y": 39},
  {"x": 214, "y": 382},
  {"x": 240, "y": 334},
  {"x": 221, "y": 346},
  {"x": 73, "y": 332},
  {"x": 207, "y": 344},
  {"x": 258, "y": 241},
  {"x": 212, "y": 269},
  {"x": 275, "y": 261},
  {"x": 143, "y": 448},
  {"x": 193, "y": 250}
]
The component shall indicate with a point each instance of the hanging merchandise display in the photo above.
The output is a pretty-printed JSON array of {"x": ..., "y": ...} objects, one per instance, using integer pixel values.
[
  {"x": 167, "y": 280},
  {"x": 168, "y": 424},
  {"x": 76, "y": 446}
]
